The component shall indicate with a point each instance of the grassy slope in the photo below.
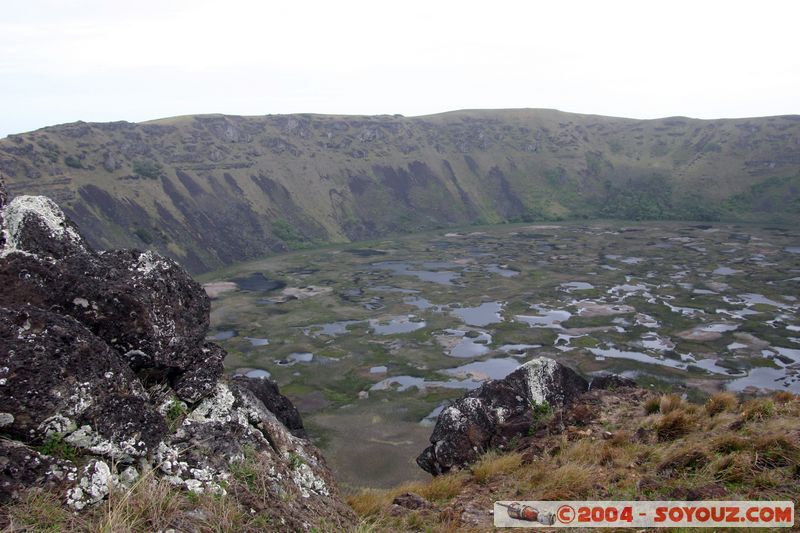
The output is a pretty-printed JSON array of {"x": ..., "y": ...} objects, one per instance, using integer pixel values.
[
  {"x": 223, "y": 189},
  {"x": 654, "y": 448}
]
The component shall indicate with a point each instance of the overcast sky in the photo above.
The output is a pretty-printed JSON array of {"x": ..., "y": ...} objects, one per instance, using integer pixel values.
[{"x": 101, "y": 60}]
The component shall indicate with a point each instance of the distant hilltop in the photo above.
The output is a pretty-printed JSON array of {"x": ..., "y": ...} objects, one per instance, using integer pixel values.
[{"x": 211, "y": 190}]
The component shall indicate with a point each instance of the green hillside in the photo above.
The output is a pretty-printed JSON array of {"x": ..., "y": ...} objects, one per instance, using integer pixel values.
[{"x": 211, "y": 190}]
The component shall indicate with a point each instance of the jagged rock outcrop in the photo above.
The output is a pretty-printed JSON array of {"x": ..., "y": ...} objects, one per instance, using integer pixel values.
[
  {"x": 60, "y": 379},
  {"x": 143, "y": 305},
  {"x": 279, "y": 405},
  {"x": 496, "y": 412},
  {"x": 104, "y": 355}
]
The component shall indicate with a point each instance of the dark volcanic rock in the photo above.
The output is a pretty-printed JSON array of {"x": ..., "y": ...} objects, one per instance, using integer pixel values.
[
  {"x": 22, "y": 468},
  {"x": 611, "y": 382},
  {"x": 143, "y": 305},
  {"x": 267, "y": 392},
  {"x": 58, "y": 378},
  {"x": 3, "y": 199},
  {"x": 90, "y": 345},
  {"x": 411, "y": 500},
  {"x": 200, "y": 377},
  {"x": 233, "y": 426},
  {"x": 496, "y": 412}
]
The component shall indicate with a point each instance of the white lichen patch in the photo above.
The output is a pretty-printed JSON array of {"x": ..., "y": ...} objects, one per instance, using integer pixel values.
[
  {"x": 88, "y": 439},
  {"x": 193, "y": 478},
  {"x": 57, "y": 424},
  {"x": 307, "y": 481},
  {"x": 218, "y": 408},
  {"x": 42, "y": 209},
  {"x": 149, "y": 262},
  {"x": 129, "y": 476},
  {"x": 452, "y": 418},
  {"x": 94, "y": 485},
  {"x": 80, "y": 399},
  {"x": 540, "y": 373},
  {"x": 6, "y": 419}
]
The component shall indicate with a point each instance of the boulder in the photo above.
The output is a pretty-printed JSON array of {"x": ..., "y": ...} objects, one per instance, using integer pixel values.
[
  {"x": 23, "y": 468},
  {"x": 90, "y": 344},
  {"x": 610, "y": 382},
  {"x": 411, "y": 500},
  {"x": 232, "y": 428},
  {"x": 267, "y": 392},
  {"x": 35, "y": 225},
  {"x": 143, "y": 305},
  {"x": 496, "y": 412},
  {"x": 58, "y": 380},
  {"x": 3, "y": 199}
]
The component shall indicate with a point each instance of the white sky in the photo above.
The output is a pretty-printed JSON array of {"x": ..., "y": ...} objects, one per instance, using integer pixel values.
[{"x": 101, "y": 60}]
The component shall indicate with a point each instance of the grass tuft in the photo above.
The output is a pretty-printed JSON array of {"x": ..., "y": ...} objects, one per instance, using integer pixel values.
[
  {"x": 673, "y": 425},
  {"x": 721, "y": 402},
  {"x": 669, "y": 403},
  {"x": 652, "y": 405},
  {"x": 758, "y": 409},
  {"x": 493, "y": 464}
]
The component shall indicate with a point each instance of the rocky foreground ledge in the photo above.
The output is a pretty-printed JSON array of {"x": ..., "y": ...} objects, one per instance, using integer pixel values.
[{"x": 104, "y": 354}]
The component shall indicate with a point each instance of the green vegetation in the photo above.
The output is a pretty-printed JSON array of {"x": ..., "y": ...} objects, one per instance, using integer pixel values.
[
  {"x": 71, "y": 161},
  {"x": 56, "y": 446},
  {"x": 175, "y": 413},
  {"x": 286, "y": 232},
  {"x": 146, "y": 168},
  {"x": 225, "y": 202}
]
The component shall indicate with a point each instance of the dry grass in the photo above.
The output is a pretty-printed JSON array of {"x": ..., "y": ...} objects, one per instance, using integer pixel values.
[
  {"x": 41, "y": 512},
  {"x": 758, "y": 409},
  {"x": 369, "y": 502},
  {"x": 784, "y": 397},
  {"x": 652, "y": 405},
  {"x": 493, "y": 464},
  {"x": 728, "y": 443},
  {"x": 721, "y": 402},
  {"x": 672, "y": 445},
  {"x": 147, "y": 505},
  {"x": 669, "y": 403},
  {"x": 673, "y": 425},
  {"x": 569, "y": 481}
]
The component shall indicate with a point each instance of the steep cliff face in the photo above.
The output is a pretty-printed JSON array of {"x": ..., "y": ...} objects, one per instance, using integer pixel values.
[
  {"x": 213, "y": 190},
  {"x": 106, "y": 379}
]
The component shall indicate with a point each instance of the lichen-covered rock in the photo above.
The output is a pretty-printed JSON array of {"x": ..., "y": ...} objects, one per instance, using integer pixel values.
[
  {"x": 199, "y": 379},
  {"x": 90, "y": 344},
  {"x": 3, "y": 199},
  {"x": 23, "y": 468},
  {"x": 142, "y": 304},
  {"x": 36, "y": 225},
  {"x": 232, "y": 426},
  {"x": 267, "y": 392},
  {"x": 496, "y": 412},
  {"x": 94, "y": 484},
  {"x": 56, "y": 377}
]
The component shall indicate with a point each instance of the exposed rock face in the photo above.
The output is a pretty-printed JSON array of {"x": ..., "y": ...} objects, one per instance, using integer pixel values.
[
  {"x": 22, "y": 467},
  {"x": 58, "y": 378},
  {"x": 496, "y": 412},
  {"x": 103, "y": 353},
  {"x": 143, "y": 305},
  {"x": 266, "y": 391}
]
